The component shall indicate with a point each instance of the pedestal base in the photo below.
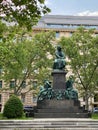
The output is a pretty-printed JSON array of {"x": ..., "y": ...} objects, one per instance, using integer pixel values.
[
  {"x": 59, "y": 105},
  {"x": 60, "y": 109}
]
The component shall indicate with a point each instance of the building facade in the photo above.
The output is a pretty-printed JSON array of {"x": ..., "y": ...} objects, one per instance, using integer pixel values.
[
  {"x": 66, "y": 25},
  {"x": 63, "y": 26}
]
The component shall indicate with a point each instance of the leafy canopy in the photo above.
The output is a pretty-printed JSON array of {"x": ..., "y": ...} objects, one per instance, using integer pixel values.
[
  {"x": 23, "y": 12},
  {"x": 25, "y": 57},
  {"x": 82, "y": 52}
]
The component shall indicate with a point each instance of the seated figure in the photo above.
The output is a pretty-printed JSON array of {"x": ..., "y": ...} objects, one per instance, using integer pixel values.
[
  {"x": 46, "y": 91},
  {"x": 70, "y": 92},
  {"x": 59, "y": 62}
]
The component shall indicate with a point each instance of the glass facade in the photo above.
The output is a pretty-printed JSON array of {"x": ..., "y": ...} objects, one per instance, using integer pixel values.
[{"x": 71, "y": 26}]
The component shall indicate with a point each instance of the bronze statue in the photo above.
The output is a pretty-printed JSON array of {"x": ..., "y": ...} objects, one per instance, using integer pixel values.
[
  {"x": 46, "y": 91},
  {"x": 70, "y": 92},
  {"x": 59, "y": 62}
]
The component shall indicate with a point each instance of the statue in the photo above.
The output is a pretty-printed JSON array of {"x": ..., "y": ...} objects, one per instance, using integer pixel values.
[
  {"x": 46, "y": 91},
  {"x": 70, "y": 92},
  {"x": 59, "y": 95},
  {"x": 59, "y": 62}
]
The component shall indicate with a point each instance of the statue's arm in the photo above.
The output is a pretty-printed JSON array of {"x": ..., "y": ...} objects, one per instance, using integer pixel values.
[{"x": 57, "y": 55}]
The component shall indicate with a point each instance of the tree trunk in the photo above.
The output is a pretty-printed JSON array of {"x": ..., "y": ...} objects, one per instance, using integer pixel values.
[{"x": 86, "y": 101}]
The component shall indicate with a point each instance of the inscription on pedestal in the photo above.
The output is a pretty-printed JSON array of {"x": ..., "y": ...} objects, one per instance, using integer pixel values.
[{"x": 59, "y": 79}]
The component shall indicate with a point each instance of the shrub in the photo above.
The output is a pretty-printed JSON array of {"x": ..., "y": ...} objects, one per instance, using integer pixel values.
[{"x": 13, "y": 108}]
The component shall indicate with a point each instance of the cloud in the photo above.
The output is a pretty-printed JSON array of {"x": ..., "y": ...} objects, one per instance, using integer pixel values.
[
  {"x": 47, "y": 2},
  {"x": 88, "y": 13}
]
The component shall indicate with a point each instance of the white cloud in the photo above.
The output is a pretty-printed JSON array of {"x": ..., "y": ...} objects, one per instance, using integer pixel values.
[
  {"x": 88, "y": 13},
  {"x": 47, "y": 2}
]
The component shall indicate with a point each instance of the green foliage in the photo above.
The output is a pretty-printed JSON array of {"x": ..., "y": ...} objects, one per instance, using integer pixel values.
[
  {"x": 82, "y": 51},
  {"x": 44, "y": 57},
  {"x": 13, "y": 108},
  {"x": 3, "y": 29},
  {"x": 95, "y": 116},
  {"x": 24, "y": 12},
  {"x": 19, "y": 118},
  {"x": 24, "y": 56}
]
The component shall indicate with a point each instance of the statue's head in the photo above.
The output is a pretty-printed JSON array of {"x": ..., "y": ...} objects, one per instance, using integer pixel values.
[
  {"x": 59, "y": 48},
  {"x": 47, "y": 81}
]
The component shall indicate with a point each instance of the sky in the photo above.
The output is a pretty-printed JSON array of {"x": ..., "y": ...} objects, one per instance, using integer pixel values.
[{"x": 73, "y": 7}]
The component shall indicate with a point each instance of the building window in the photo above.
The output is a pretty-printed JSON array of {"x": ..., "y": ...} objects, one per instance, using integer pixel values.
[
  {"x": 96, "y": 34},
  {"x": 34, "y": 84},
  {"x": 23, "y": 84},
  {"x": 23, "y": 97},
  {"x": 57, "y": 34},
  {"x": 34, "y": 99},
  {"x": 70, "y": 34},
  {"x": 12, "y": 84},
  {"x": 96, "y": 97},
  {"x": 0, "y": 84}
]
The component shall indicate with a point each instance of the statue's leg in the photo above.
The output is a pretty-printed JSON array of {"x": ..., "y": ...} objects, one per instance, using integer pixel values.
[{"x": 66, "y": 94}]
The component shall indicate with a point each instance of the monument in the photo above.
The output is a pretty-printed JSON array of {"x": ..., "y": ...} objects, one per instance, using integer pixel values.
[{"x": 59, "y": 100}]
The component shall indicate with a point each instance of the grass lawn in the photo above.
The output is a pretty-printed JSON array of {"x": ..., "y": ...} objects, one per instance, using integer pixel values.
[
  {"x": 94, "y": 116},
  {"x": 22, "y": 118}
]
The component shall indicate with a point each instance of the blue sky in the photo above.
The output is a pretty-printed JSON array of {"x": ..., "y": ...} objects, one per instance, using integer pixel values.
[{"x": 73, "y": 7}]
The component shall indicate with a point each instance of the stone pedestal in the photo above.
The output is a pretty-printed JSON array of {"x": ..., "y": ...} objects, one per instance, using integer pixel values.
[
  {"x": 59, "y": 107},
  {"x": 59, "y": 79}
]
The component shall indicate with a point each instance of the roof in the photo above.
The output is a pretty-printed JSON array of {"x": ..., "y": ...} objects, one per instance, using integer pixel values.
[{"x": 67, "y": 19}]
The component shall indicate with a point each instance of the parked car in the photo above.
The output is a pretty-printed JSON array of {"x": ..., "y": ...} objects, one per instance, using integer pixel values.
[
  {"x": 95, "y": 110},
  {"x": 29, "y": 111}
]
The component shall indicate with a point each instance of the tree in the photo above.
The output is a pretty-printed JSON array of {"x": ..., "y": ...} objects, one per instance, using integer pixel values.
[
  {"x": 23, "y": 12},
  {"x": 82, "y": 51},
  {"x": 25, "y": 58}
]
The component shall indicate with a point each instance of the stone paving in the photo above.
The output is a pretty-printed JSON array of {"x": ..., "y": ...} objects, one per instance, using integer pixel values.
[{"x": 50, "y": 124}]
